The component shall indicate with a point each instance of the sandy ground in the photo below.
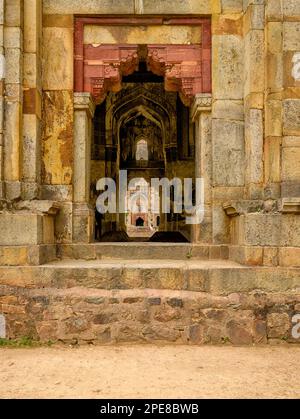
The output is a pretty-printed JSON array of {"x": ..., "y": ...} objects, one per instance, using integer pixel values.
[{"x": 150, "y": 372}]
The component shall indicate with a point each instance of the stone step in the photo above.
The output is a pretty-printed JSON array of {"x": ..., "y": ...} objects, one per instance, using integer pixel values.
[
  {"x": 147, "y": 301},
  {"x": 219, "y": 277},
  {"x": 140, "y": 250}
]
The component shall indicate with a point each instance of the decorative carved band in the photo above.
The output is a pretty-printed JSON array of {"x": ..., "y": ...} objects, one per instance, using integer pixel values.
[{"x": 186, "y": 68}]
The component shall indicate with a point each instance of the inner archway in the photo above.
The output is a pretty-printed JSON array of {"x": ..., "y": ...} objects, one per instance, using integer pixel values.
[{"x": 147, "y": 132}]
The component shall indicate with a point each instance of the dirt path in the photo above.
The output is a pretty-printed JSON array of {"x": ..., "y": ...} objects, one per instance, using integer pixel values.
[{"x": 150, "y": 372}]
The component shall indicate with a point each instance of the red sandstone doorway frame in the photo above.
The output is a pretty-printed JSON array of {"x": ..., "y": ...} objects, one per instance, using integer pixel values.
[{"x": 191, "y": 77}]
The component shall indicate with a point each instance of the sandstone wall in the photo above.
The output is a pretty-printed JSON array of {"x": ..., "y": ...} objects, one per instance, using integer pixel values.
[{"x": 250, "y": 138}]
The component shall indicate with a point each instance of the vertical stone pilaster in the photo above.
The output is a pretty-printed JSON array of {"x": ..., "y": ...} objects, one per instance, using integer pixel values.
[
  {"x": 254, "y": 87},
  {"x": 2, "y": 78},
  {"x": 290, "y": 151},
  {"x": 273, "y": 99},
  {"x": 32, "y": 99},
  {"x": 13, "y": 45},
  {"x": 83, "y": 215},
  {"x": 201, "y": 115},
  {"x": 228, "y": 141}
]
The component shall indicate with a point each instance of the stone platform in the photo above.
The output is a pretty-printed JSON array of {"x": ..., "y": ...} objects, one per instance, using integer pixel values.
[{"x": 141, "y": 293}]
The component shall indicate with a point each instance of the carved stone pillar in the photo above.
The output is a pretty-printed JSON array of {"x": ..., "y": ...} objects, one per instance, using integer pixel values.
[
  {"x": 201, "y": 116},
  {"x": 83, "y": 214},
  {"x": 32, "y": 100},
  {"x": 12, "y": 141}
]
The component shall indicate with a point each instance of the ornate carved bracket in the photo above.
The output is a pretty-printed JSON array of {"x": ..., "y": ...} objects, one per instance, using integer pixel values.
[
  {"x": 202, "y": 103},
  {"x": 182, "y": 67},
  {"x": 104, "y": 66}
]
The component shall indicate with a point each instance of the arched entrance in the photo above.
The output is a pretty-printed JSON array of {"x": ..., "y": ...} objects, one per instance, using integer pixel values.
[
  {"x": 149, "y": 134},
  {"x": 142, "y": 122}
]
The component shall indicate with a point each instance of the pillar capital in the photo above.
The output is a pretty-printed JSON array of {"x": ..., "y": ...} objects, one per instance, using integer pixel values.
[
  {"x": 84, "y": 102},
  {"x": 201, "y": 103}
]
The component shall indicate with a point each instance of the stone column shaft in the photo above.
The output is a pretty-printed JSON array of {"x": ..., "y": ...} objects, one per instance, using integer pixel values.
[
  {"x": 254, "y": 86},
  {"x": 201, "y": 115},
  {"x": 83, "y": 215},
  {"x": 32, "y": 98},
  {"x": 83, "y": 113},
  {"x": 13, "y": 44}
]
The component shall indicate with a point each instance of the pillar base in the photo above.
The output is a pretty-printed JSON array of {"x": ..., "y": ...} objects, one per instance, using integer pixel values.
[{"x": 83, "y": 223}]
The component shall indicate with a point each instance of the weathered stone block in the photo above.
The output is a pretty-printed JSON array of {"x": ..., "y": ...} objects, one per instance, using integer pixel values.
[
  {"x": 254, "y": 62},
  {"x": 166, "y": 34},
  {"x": 13, "y": 65},
  {"x": 278, "y": 325},
  {"x": 31, "y": 75},
  {"x": 274, "y": 10},
  {"x": 228, "y": 109},
  {"x": 273, "y": 118},
  {"x": 291, "y": 164},
  {"x": 25, "y": 229},
  {"x": 291, "y": 36},
  {"x": 31, "y": 148},
  {"x": 12, "y": 255},
  {"x": 228, "y": 68},
  {"x": 275, "y": 72},
  {"x": 254, "y": 18},
  {"x": 12, "y": 141},
  {"x": 254, "y": 133},
  {"x": 57, "y": 146},
  {"x": 270, "y": 256},
  {"x": 220, "y": 225},
  {"x": 254, "y": 101},
  {"x": 61, "y": 193},
  {"x": 247, "y": 3},
  {"x": 13, "y": 190},
  {"x": 13, "y": 37},
  {"x": 32, "y": 25},
  {"x": 30, "y": 191},
  {"x": 247, "y": 255},
  {"x": 274, "y": 37},
  {"x": 272, "y": 156},
  {"x": 227, "y": 24},
  {"x": 83, "y": 224},
  {"x": 14, "y": 11},
  {"x": 291, "y": 117},
  {"x": 240, "y": 332},
  {"x": 57, "y": 58},
  {"x": 290, "y": 230},
  {"x": 262, "y": 230},
  {"x": 232, "y": 6},
  {"x": 228, "y": 153},
  {"x": 291, "y": 8},
  {"x": 88, "y": 7},
  {"x": 176, "y": 7},
  {"x": 289, "y": 256}
]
